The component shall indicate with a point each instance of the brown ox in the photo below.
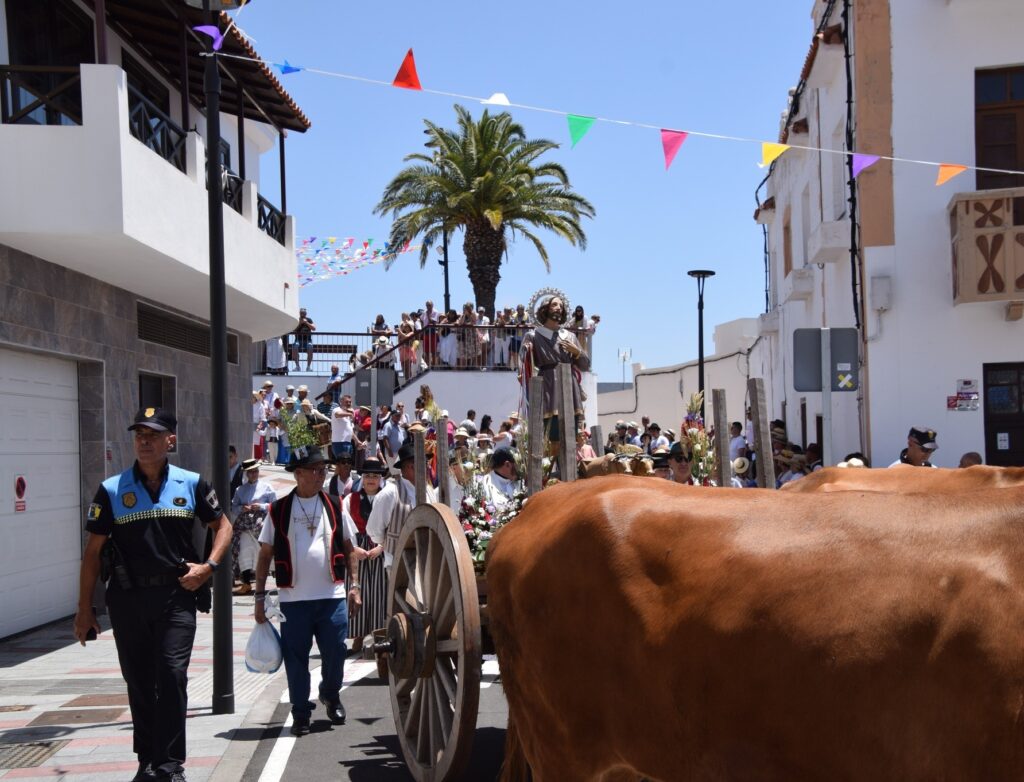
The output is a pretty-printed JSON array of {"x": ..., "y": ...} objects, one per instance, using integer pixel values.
[
  {"x": 647, "y": 629},
  {"x": 905, "y": 478}
]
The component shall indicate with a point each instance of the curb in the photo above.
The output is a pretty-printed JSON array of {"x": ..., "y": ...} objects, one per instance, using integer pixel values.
[{"x": 233, "y": 763}]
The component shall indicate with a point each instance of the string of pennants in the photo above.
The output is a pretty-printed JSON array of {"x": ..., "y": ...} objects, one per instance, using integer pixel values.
[
  {"x": 672, "y": 140},
  {"x": 334, "y": 257}
]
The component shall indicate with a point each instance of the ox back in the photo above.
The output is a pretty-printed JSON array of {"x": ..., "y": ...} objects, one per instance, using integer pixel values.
[
  {"x": 647, "y": 629},
  {"x": 905, "y": 478}
]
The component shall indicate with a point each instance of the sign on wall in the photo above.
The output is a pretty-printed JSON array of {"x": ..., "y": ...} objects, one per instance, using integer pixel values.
[
  {"x": 20, "y": 487},
  {"x": 844, "y": 365}
]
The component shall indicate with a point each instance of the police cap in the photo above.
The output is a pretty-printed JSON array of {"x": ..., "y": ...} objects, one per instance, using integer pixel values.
[{"x": 155, "y": 418}]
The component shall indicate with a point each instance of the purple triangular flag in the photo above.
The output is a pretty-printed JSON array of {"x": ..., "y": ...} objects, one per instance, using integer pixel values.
[
  {"x": 860, "y": 162},
  {"x": 214, "y": 32}
]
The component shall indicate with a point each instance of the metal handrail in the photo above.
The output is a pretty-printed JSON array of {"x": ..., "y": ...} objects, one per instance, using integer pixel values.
[
  {"x": 357, "y": 350},
  {"x": 269, "y": 219},
  {"x": 155, "y": 129},
  {"x": 12, "y": 112}
]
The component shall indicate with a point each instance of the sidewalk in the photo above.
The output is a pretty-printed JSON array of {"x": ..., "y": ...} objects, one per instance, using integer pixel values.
[{"x": 64, "y": 708}]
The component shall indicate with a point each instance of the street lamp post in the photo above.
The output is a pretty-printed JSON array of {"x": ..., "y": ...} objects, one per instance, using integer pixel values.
[
  {"x": 223, "y": 640},
  {"x": 700, "y": 275},
  {"x": 444, "y": 264}
]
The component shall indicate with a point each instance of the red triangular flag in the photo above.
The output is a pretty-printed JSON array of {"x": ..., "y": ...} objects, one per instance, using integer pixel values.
[
  {"x": 406, "y": 76},
  {"x": 671, "y": 140}
]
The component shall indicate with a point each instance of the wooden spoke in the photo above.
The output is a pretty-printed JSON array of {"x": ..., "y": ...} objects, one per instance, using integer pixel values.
[{"x": 436, "y": 714}]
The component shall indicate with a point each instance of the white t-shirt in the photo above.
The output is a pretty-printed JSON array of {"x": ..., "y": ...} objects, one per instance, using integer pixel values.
[
  {"x": 341, "y": 427},
  {"x": 310, "y": 562},
  {"x": 736, "y": 444}
]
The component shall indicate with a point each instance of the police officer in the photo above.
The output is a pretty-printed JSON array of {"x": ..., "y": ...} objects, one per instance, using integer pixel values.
[{"x": 144, "y": 517}]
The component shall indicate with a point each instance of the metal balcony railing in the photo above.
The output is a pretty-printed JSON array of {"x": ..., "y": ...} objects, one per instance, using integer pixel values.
[
  {"x": 231, "y": 191},
  {"x": 40, "y": 95},
  {"x": 438, "y": 348},
  {"x": 156, "y": 130},
  {"x": 270, "y": 219}
]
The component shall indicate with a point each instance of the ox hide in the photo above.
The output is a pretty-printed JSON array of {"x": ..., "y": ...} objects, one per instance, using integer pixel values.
[
  {"x": 679, "y": 633},
  {"x": 907, "y": 478}
]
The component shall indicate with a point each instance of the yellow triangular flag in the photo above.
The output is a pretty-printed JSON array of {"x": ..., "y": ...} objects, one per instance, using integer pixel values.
[
  {"x": 947, "y": 171},
  {"x": 770, "y": 152}
]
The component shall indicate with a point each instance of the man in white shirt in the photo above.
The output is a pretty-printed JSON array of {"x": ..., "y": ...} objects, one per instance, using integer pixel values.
[
  {"x": 342, "y": 430},
  {"x": 306, "y": 537},
  {"x": 737, "y": 442},
  {"x": 502, "y": 482},
  {"x": 394, "y": 503},
  {"x": 658, "y": 440}
]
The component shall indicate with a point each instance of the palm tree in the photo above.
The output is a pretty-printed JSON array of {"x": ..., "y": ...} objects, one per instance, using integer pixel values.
[{"x": 485, "y": 178}]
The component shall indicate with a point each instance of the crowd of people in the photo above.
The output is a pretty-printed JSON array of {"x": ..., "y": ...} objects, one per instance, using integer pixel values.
[{"x": 426, "y": 338}]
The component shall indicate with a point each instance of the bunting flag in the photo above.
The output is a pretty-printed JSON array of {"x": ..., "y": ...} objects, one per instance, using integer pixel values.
[
  {"x": 671, "y": 140},
  {"x": 286, "y": 68},
  {"x": 324, "y": 262},
  {"x": 770, "y": 152},
  {"x": 947, "y": 171},
  {"x": 214, "y": 32},
  {"x": 860, "y": 162},
  {"x": 578, "y": 126},
  {"x": 406, "y": 76}
]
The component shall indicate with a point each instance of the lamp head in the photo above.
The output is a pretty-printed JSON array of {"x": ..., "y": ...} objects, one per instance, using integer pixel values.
[{"x": 701, "y": 274}]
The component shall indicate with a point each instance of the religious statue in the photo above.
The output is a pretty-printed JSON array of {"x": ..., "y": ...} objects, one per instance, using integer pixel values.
[{"x": 544, "y": 347}]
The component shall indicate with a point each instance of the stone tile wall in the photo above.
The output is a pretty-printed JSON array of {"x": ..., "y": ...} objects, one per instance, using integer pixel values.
[{"x": 46, "y": 308}]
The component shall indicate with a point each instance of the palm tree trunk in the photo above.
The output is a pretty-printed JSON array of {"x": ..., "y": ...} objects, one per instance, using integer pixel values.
[{"x": 484, "y": 247}]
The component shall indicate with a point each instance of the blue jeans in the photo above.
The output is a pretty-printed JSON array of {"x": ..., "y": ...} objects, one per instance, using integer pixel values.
[
  {"x": 342, "y": 449},
  {"x": 327, "y": 621},
  {"x": 283, "y": 452}
]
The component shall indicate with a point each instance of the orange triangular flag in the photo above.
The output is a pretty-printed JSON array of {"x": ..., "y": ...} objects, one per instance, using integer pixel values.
[
  {"x": 947, "y": 171},
  {"x": 406, "y": 76}
]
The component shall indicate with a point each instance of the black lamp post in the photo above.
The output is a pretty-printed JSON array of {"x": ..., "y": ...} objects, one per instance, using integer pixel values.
[
  {"x": 223, "y": 641},
  {"x": 444, "y": 264},
  {"x": 700, "y": 275}
]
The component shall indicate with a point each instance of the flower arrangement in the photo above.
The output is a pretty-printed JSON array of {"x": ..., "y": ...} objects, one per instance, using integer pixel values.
[{"x": 695, "y": 438}]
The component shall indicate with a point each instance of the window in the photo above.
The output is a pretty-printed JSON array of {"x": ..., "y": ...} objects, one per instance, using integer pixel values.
[
  {"x": 787, "y": 245},
  {"x": 999, "y": 126}
]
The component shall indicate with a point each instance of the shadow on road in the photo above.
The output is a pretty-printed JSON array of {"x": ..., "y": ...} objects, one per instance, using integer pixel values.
[{"x": 383, "y": 762}]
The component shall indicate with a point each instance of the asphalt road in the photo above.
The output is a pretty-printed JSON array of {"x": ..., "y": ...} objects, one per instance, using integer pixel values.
[{"x": 366, "y": 748}]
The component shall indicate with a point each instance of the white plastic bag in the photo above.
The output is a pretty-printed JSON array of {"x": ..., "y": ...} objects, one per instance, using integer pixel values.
[{"x": 263, "y": 651}]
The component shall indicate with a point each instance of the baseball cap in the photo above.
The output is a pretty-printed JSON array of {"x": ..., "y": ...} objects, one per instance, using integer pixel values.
[
  {"x": 924, "y": 437},
  {"x": 155, "y": 418}
]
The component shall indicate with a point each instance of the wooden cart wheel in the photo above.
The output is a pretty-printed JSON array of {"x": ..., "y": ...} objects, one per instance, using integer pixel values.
[{"x": 434, "y": 633}]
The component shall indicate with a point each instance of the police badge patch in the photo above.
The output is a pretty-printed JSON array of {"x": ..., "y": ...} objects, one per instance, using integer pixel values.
[
  {"x": 94, "y": 512},
  {"x": 180, "y": 501},
  {"x": 128, "y": 499},
  {"x": 211, "y": 499}
]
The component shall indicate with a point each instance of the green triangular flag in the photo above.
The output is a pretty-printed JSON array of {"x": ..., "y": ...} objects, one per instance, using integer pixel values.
[{"x": 578, "y": 126}]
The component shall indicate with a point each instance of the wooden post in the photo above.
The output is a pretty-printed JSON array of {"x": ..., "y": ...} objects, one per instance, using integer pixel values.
[
  {"x": 597, "y": 436},
  {"x": 535, "y": 431},
  {"x": 723, "y": 467},
  {"x": 566, "y": 423},
  {"x": 762, "y": 434},
  {"x": 443, "y": 487},
  {"x": 421, "y": 467}
]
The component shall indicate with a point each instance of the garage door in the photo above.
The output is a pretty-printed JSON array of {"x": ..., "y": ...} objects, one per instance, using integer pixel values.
[{"x": 42, "y": 539}]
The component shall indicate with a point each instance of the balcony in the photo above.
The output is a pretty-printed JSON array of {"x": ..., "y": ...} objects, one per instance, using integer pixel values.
[
  {"x": 987, "y": 235},
  {"x": 798, "y": 285},
  {"x": 99, "y": 180},
  {"x": 829, "y": 242}
]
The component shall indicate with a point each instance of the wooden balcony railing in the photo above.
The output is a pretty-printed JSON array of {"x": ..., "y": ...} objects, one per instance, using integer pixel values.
[
  {"x": 155, "y": 129},
  {"x": 987, "y": 234},
  {"x": 270, "y": 219},
  {"x": 38, "y": 95},
  {"x": 231, "y": 191}
]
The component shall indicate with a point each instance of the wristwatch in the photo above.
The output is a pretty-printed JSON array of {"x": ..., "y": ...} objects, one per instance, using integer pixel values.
[{"x": 213, "y": 565}]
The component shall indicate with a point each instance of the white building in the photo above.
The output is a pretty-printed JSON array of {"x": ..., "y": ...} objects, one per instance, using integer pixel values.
[
  {"x": 104, "y": 285},
  {"x": 662, "y": 393},
  {"x": 937, "y": 282}
]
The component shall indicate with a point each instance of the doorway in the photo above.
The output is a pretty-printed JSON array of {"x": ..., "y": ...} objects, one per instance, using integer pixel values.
[{"x": 1004, "y": 414}]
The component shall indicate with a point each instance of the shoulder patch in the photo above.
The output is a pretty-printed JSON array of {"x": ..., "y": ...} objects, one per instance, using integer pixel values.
[
  {"x": 94, "y": 512},
  {"x": 180, "y": 501},
  {"x": 211, "y": 498},
  {"x": 128, "y": 499}
]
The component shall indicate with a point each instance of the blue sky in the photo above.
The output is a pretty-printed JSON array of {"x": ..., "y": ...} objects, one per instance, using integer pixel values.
[{"x": 722, "y": 68}]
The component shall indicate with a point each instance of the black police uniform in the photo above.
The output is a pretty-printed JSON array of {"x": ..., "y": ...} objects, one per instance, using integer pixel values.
[{"x": 152, "y": 615}]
